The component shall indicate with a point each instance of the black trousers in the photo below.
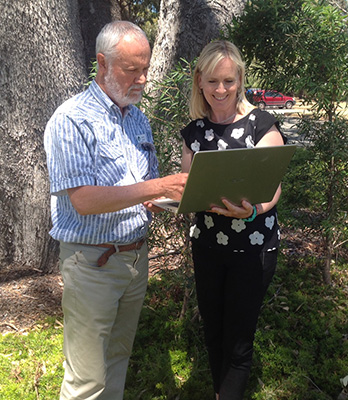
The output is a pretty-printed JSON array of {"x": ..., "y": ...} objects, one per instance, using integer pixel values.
[{"x": 230, "y": 291}]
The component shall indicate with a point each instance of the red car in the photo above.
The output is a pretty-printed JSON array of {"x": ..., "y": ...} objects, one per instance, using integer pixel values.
[{"x": 272, "y": 98}]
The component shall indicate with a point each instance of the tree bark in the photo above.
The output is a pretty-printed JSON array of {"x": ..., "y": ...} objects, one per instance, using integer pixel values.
[
  {"x": 185, "y": 27},
  {"x": 94, "y": 14},
  {"x": 41, "y": 65},
  {"x": 327, "y": 260}
]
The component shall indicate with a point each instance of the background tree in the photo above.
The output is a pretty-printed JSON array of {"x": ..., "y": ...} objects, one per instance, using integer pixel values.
[
  {"x": 93, "y": 15},
  {"x": 185, "y": 27},
  {"x": 301, "y": 46},
  {"x": 42, "y": 64},
  {"x": 46, "y": 48}
]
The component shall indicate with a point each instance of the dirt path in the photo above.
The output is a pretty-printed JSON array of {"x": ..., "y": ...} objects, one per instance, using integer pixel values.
[{"x": 27, "y": 295}]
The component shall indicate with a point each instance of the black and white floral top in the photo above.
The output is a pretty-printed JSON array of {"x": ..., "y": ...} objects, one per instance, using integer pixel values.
[{"x": 218, "y": 231}]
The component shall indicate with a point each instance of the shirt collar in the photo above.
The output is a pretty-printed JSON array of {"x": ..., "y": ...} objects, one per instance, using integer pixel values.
[{"x": 105, "y": 101}]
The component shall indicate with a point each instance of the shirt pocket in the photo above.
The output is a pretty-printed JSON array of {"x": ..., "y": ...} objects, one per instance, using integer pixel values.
[
  {"x": 111, "y": 166},
  {"x": 147, "y": 161}
]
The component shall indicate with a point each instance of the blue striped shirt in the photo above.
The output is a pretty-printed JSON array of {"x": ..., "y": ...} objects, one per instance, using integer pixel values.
[{"x": 89, "y": 142}]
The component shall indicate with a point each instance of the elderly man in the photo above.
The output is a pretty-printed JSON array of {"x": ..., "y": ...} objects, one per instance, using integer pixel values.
[{"x": 103, "y": 168}]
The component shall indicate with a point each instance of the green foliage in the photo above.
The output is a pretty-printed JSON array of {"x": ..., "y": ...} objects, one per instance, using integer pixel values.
[
  {"x": 142, "y": 11},
  {"x": 315, "y": 189},
  {"x": 167, "y": 109},
  {"x": 92, "y": 72},
  {"x": 296, "y": 193},
  {"x": 169, "y": 358},
  {"x": 301, "y": 46},
  {"x": 150, "y": 28},
  {"x": 329, "y": 177},
  {"x": 297, "y": 46},
  {"x": 263, "y": 27},
  {"x": 328, "y": 155},
  {"x": 145, "y": 14}
]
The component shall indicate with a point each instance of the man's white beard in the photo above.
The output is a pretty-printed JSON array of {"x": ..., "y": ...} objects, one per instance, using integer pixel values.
[{"x": 115, "y": 93}]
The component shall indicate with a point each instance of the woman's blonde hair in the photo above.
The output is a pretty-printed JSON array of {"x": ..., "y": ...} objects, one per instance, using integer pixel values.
[{"x": 207, "y": 61}]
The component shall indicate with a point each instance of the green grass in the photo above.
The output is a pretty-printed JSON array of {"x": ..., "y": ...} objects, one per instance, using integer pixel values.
[
  {"x": 31, "y": 364},
  {"x": 301, "y": 343},
  {"x": 301, "y": 347}
]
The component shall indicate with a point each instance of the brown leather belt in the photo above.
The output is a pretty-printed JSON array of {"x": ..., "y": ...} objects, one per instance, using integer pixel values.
[{"x": 114, "y": 248}]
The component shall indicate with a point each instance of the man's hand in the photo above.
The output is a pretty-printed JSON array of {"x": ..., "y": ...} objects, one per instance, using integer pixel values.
[{"x": 173, "y": 185}]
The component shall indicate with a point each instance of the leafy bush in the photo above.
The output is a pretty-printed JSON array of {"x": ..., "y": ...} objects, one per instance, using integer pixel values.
[
  {"x": 167, "y": 110},
  {"x": 315, "y": 189},
  {"x": 301, "y": 46}
]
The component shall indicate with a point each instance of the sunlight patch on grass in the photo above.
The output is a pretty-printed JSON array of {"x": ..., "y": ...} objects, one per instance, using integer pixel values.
[
  {"x": 181, "y": 366},
  {"x": 31, "y": 363}
]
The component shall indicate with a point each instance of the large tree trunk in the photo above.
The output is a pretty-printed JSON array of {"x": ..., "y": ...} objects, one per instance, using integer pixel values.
[
  {"x": 94, "y": 14},
  {"x": 42, "y": 64},
  {"x": 185, "y": 27}
]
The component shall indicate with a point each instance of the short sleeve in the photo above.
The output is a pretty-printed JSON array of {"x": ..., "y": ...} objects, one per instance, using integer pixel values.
[
  {"x": 264, "y": 122},
  {"x": 69, "y": 160},
  {"x": 188, "y": 133}
]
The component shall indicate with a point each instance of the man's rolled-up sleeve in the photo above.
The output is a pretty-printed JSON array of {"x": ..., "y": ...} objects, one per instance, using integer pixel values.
[{"x": 69, "y": 160}]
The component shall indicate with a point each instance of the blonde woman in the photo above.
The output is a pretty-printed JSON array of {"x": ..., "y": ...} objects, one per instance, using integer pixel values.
[{"x": 234, "y": 248}]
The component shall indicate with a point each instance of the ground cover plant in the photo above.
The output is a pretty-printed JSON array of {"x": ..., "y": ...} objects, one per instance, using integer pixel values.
[
  {"x": 31, "y": 362},
  {"x": 301, "y": 341}
]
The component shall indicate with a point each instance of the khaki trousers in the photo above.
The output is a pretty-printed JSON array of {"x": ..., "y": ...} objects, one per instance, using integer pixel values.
[{"x": 101, "y": 308}]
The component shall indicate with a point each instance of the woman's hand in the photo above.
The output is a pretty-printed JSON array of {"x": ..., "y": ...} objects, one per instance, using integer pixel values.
[{"x": 232, "y": 210}]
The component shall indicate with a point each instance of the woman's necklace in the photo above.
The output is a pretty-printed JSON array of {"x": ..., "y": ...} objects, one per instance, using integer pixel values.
[{"x": 227, "y": 119}]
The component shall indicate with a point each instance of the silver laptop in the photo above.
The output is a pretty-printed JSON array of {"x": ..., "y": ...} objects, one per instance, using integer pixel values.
[{"x": 236, "y": 174}]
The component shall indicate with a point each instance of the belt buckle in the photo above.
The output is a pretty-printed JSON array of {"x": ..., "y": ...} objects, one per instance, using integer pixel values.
[{"x": 139, "y": 244}]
